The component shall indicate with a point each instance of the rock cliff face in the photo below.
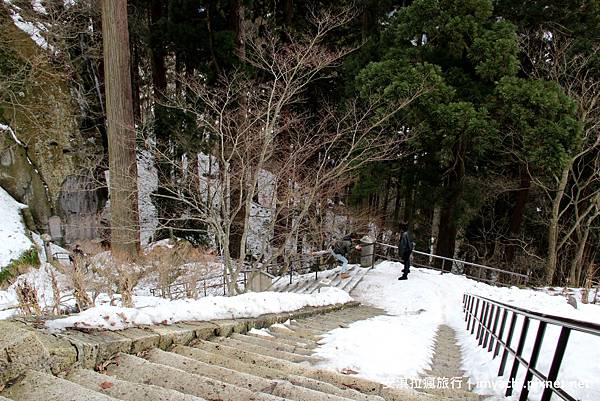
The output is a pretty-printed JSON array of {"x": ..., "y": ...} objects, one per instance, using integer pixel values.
[{"x": 45, "y": 162}]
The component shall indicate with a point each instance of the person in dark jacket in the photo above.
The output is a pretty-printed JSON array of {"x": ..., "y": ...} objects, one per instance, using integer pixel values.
[
  {"x": 340, "y": 250},
  {"x": 405, "y": 248}
]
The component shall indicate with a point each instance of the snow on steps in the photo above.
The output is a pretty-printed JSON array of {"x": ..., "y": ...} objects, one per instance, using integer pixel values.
[
  {"x": 245, "y": 365},
  {"x": 307, "y": 284}
]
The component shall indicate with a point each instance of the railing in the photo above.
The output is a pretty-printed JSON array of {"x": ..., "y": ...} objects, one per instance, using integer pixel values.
[
  {"x": 471, "y": 270},
  {"x": 207, "y": 285},
  {"x": 215, "y": 284},
  {"x": 491, "y": 318},
  {"x": 309, "y": 263}
]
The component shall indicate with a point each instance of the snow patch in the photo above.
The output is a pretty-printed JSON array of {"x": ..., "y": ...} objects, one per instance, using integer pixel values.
[
  {"x": 12, "y": 229},
  {"x": 34, "y": 30},
  {"x": 208, "y": 308},
  {"x": 260, "y": 332}
]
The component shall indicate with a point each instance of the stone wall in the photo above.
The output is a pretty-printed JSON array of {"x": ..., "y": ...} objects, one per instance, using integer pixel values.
[{"x": 50, "y": 166}]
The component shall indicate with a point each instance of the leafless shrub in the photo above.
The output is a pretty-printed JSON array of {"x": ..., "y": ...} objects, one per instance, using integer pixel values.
[
  {"x": 590, "y": 282},
  {"x": 179, "y": 263},
  {"x": 56, "y": 293},
  {"x": 28, "y": 299}
]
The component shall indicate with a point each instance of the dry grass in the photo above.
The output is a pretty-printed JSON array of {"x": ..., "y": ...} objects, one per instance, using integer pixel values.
[{"x": 182, "y": 264}]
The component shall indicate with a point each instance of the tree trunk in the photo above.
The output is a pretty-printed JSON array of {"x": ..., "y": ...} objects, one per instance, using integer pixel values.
[
  {"x": 446, "y": 244},
  {"x": 446, "y": 241},
  {"x": 121, "y": 131},
  {"x": 409, "y": 198},
  {"x": 288, "y": 12},
  {"x": 397, "y": 203},
  {"x": 238, "y": 13},
  {"x": 159, "y": 69},
  {"x": 237, "y": 194},
  {"x": 518, "y": 213},
  {"x": 553, "y": 227},
  {"x": 135, "y": 82},
  {"x": 386, "y": 200},
  {"x": 435, "y": 228}
]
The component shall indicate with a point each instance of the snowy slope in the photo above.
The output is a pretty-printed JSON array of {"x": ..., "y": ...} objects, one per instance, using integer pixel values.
[
  {"x": 388, "y": 348},
  {"x": 12, "y": 230}
]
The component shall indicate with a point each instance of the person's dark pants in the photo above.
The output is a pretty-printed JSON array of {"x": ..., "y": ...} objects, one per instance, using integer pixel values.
[{"x": 406, "y": 262}]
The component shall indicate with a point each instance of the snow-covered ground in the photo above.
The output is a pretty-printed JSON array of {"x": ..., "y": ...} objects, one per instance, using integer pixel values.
[
  {"x": 12, "y": 230},
  {"x": 152, "y": 310},
  {"x": 397, "y": 346}
]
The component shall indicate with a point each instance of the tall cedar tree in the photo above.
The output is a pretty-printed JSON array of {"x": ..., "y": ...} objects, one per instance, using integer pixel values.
[{"x": 121, "y": 130}]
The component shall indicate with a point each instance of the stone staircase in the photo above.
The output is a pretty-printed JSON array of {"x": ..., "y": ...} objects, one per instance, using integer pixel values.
[
  {"x": 446, "y": 364},
  {"x": 237, "y": 364},
  {"x": 309, "y": 284}
]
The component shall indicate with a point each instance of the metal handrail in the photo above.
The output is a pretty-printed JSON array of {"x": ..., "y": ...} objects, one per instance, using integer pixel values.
[
  {"x": 486, "y": 313},
  {"x": 521, "y": 276}
]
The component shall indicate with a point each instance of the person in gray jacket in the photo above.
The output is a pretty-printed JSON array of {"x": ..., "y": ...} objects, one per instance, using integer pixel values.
[
  {"x": 405, "y": 248},
  {"x": 340, "y": 250}
]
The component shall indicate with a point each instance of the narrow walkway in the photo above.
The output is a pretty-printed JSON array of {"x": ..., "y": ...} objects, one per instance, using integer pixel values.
[{"x": 445, "y": 378}]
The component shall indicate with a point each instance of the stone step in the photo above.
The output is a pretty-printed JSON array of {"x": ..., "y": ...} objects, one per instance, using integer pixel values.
[
  {"x": 138, "y": 370},
  {"x": 322, "y": 325},
  {"x": 125, "y": 390},
  {"x": 288, "y": 356},
  {"x": 38, "y": 386},
  {"x": 280, "y": 388},
  {"x": 362, "y": 385},
  {"x": 300, "y": 333},
  {"x": 290, "y": 338},
  {"x": 279, "y": 346},
  {"x": 280, "y": 340},
  {"x": 453, "y": 394},
  {"x": 4, "y": 399},
  {"x": 355, "y": 279},
  {"x": 271, "y": 373},
  {"x": 317, "y": 332}
]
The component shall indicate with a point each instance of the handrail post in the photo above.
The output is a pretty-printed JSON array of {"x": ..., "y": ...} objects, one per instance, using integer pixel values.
[
  {"x": 489, "y": 326},
  {"x": 494, "y": 332},
  {"x": 511, "y": 330},
  {"x": 561, "y": 346},
  {"x": 470, "y": 311},
  {"x": 482, "y": 321},
  {"x": 474, "y": 316},
  {"x": 500, "y": 333},
  {"x": 535, "y": 352},
  {"x": 318, "y": 268},
  {"x": 519, "y": 351}
]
